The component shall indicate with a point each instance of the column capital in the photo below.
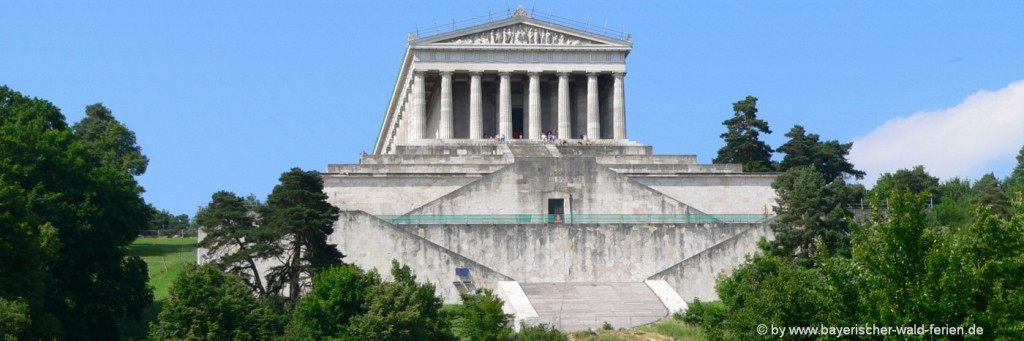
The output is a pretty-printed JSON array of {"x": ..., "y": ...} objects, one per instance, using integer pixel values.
[
  {"x": 418, "y": 72},
  {"x": 619, "y": 74},
  {"x": 593, "y": 73},
  {"x": 446, "y": 73},
  {"x": 475, "y": 72},
  {"x": 533, "y": 73},
  {"x": 504, "y": 73}
]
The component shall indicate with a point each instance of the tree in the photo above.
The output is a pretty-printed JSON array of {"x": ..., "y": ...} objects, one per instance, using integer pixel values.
[
  {"x": 828, "y": 158},
  {"x": 233, "y": 235},
  {"x": 480, "y": 317},
  {"x": 915, "y": 180},
  {"x": 339, "y": 294},
  {"x": 1016, "y": 179},
  {"x": 164, "y": 220},
  {"x": 65, "y": 199},
  {"x": 401, "y": 310},
  {"x": 810, "y": 211},
  {"x": 767, "y": 289},
  {"x": 110, "y": 140},
  {"x": 299, "y": 217},
  {"x": 206, "y": 304},
  {"x": 987, "y": 193},
  {"x": 742, "y": 139},
  {"x": 14, "y": 319},
  {"x": 955, "y": 209}
]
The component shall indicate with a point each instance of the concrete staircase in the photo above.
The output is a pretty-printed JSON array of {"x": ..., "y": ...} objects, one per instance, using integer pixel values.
[
  {"x": 529, "y": 149},
  {"x": 579, "y": 306}
]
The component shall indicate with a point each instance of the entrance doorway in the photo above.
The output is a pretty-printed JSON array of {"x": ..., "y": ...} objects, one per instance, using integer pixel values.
[
  {"x": 517, "y": 123},
  {"x": 556, "y": 210}
]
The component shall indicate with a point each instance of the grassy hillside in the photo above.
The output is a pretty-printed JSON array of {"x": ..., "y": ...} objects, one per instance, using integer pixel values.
[{"x": 166, "y": 258}]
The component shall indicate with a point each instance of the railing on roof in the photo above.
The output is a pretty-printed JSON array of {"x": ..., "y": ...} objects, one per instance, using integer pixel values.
[
  {"x": 455, "y": 25},
  {"x": 574, "y": 218}
]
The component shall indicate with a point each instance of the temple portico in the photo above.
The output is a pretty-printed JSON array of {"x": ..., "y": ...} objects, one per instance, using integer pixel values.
[
  {"x": 518, "y": 78},
  {"x": 480, "y": 104}
]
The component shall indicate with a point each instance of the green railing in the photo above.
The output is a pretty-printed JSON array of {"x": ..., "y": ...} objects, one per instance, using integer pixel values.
[{"x": 575, "y": 218}]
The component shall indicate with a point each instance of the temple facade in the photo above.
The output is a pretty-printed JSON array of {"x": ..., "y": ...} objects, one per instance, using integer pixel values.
[{"x": 503, "y": 163}]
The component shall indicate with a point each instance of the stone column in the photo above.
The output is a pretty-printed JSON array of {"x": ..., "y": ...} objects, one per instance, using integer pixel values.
[
  {"x": 476, "y": 122},
  {"x": 593, "y": 120},
  {"x": 564, "y": 131},
  {"x": 619, "y": 108},
  {"x": 505, "y": 105},
  {"x": 535, "y": 133},
  {"x": 445, "y": 127},
  {"x": 419, "y": 107}
]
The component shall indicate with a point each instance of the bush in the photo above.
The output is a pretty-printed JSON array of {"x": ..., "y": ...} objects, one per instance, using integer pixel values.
[
  {"x": 540, "y": 332},
  {"x": 480, "y": 318}
]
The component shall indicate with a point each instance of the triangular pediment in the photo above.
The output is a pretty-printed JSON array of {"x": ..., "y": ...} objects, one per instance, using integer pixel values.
[
  {"x": 520, "y": 31},
  {"x": 520, "y": 34}
]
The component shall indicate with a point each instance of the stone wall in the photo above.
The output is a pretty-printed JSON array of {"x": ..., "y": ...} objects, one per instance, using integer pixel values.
[
  {"x": 695, "y": 277},
  {"x": 389, "y": 195},
  {"x": 525, "y": 187},
  {"x": 747, "y": 193},
  {"x": 689, "y": 256}
]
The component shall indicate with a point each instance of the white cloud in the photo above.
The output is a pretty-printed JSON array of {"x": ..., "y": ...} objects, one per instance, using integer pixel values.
[{"x": 965, "y": 140}]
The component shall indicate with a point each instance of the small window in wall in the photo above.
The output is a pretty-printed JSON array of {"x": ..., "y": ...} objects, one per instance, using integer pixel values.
[{"x": 556, "y": 210}]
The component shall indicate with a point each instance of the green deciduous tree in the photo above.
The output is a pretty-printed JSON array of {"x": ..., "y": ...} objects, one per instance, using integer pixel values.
[
  {"x": 742, "y": 139},
  {"x": 164, "y": 220},
  {"x": 769, "y": 290},
  {"x": 339, "y": 293},
  {"x": 828, "y": 157},
  {"x": 110, "y": 140},
  {"x": 915, "y": 180},
  {"x": 300, "y": 219},
  {"x": 234, "y": 237},
  {"x": 65, "y": 198},
  {"x": 401, "y": 310},
  {"x": 480, "y": 318},
  {"x": 206, "y": 304}
]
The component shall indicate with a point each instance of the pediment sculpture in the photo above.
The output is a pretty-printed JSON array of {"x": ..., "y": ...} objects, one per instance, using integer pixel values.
[{"x": 519, "y": 34}]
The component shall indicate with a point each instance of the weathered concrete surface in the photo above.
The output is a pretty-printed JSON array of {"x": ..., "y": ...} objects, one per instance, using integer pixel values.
[
  {"x": 668, "y": 296},
  {"x": 581, "y": 306},
  {"x": 696, "y": 276},
  {"x": 718, "y": 193},
  {"x": 525, "y": 187},
  {"x": 516, "y": 302},
  {"x": 371, "y": 243},
  {"x": 579, "y": 252},
  {"x": 389, "y": 195}
]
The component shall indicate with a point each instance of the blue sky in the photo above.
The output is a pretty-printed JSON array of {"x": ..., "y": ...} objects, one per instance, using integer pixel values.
[{"x": 228, "y": 95}]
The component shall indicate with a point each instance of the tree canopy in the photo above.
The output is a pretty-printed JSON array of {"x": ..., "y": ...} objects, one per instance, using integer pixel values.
[
  {"x": 827, "y": 157},
  {"x": 742, "y": 139},
  {"x": 67, "y": 217}
]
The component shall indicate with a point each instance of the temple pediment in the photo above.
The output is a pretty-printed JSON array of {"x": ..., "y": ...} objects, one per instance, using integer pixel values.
[
  {"x": 520, "y": 30},
  {"x": 520, "y": 34}
]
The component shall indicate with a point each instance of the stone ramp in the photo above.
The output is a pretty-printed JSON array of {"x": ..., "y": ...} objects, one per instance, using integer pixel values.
[{"x": 582, "y": 306}]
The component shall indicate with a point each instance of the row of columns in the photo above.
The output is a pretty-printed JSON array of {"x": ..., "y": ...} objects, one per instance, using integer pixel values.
[{"x": 417, "y": 120}]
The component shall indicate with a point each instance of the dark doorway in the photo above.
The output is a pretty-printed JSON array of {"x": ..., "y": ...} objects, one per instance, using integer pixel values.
[
  {"x": 556, "y": 206},
  {"x": 517, "y": 123}
]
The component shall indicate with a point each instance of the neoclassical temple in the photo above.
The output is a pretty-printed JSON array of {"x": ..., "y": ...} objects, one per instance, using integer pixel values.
[
  {"x": 575, "y": 231},
  {"x": 520, "y": 78}
]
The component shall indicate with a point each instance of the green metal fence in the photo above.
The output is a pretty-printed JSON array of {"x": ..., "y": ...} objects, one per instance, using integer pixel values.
[{"x": 574, "y": 218}]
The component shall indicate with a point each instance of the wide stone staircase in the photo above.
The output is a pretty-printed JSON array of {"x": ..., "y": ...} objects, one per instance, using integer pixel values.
[
  {"x": 582, "y": 306},
  {"x": 529, "y": 149}
]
